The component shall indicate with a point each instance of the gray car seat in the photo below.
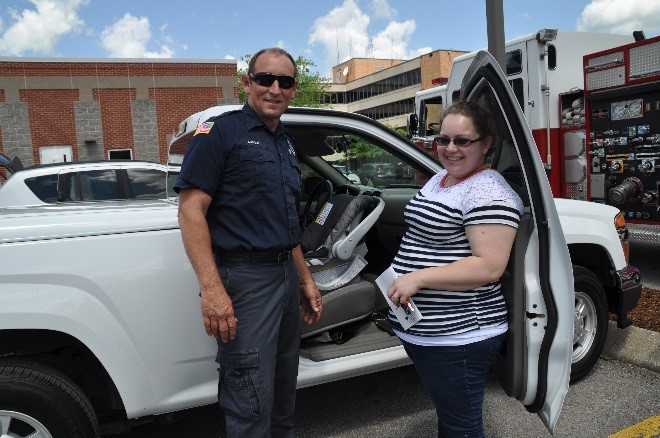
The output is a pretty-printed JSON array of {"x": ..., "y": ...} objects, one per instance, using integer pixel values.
[{"x": 334, "y": 248}]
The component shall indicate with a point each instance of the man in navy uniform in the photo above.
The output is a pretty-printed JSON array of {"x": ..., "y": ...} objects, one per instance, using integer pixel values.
[{"x": 239, "y": 194}]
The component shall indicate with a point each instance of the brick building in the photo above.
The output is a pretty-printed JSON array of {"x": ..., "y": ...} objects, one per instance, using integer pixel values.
[
  {"x": 78, "y": 110},
  {"x": 384, "y": 89}
]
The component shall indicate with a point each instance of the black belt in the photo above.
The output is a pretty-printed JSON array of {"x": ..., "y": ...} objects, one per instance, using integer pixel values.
[{"x": 252, "y": 257}]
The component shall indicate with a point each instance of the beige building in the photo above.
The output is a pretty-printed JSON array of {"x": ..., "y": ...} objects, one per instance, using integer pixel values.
[{"x": 384, "y": 89}]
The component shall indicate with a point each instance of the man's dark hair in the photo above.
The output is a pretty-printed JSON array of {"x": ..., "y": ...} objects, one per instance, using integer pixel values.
[{"x": 274, "y": 51}]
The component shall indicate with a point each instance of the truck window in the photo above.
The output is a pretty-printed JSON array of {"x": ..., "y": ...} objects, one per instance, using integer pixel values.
[
  {"x": 513, "y": 62},
  {"x": 505, "y": 157},
  {"x": 44, "y": 187},
  {"x": 431, "y": 111},
  {"x": 172, "y": 176},
  {"x": 552, "y": 57},
  {"x": 147, "y": 183},
  {"x": 100, "y": 185},
  {"x": 517, "y": 86}
]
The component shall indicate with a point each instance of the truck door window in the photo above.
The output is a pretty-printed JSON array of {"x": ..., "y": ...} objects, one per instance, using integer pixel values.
[
  {"x": 517, "y": 86},
  {"x": 100, "y": 185},
  {"x": 147, "y": 183},
  {"x": 514, "y": 62},
  {"x": 505, "y": 157},
  {"x": 431, "y": 111}
]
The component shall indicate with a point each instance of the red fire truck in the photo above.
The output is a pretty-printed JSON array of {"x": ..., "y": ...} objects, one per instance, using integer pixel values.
[
  {"x": 592, "y": 101},
  {"x": 622, "y": 109}
]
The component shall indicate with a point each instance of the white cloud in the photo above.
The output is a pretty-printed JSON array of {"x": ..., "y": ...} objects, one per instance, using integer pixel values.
[
  {"x": 129, "y": 37},
  {"x": 422, "y": 51},
  {"x": 382, "y": 9},
  {"x": 40, "y": 29},
  {"x": 392, "y": 42},
  {"x": 342, "y": 32},
  {"x": 345, "y": 33},
  {"x": 620, "y": 16}
]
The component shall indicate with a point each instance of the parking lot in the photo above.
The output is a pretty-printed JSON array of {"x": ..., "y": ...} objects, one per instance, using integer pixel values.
[{"x": 614, "y": 397}]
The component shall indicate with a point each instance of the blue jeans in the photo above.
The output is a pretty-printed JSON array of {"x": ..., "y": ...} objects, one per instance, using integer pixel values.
[
  {"x": 259, "y": 368},
  {"x": 455, "y": 379}
]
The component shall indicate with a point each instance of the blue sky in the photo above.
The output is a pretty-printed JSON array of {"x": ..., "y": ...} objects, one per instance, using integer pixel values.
[{"x": 325, "y": 31}]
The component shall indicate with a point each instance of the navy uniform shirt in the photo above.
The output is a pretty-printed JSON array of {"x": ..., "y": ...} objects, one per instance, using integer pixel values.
[{"x": 253, "y": 176}]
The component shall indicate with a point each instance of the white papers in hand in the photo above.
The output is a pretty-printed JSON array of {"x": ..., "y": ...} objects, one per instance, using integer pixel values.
[{"x": 406, "y": 315}]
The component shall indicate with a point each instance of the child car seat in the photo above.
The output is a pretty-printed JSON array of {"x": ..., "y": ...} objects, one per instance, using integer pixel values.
[{"x": 333, "y": 245}]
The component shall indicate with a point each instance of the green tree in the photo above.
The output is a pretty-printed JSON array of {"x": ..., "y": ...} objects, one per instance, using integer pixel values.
[
  {"x": 360, "y": 148},
  {"x": 313, "y": 90}
]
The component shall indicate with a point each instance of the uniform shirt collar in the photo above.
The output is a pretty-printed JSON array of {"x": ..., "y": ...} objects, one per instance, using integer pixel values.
[{"x": 252, "y": 120}]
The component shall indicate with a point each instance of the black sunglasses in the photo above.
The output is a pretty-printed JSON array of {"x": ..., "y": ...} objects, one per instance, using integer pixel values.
[
  {"x": 460, "y": 142},
  {"x": 267, "y": 79}
]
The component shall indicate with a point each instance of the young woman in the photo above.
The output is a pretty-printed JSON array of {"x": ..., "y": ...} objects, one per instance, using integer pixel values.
[{"x": 461, "y": 226}]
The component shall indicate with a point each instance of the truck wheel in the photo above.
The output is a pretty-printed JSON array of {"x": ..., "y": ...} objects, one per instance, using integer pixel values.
[
  {"x": 590, "y": 329},
  {"x": 36, "y": 400}
]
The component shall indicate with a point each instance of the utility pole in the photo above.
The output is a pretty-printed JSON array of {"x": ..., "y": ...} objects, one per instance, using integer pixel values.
[{"x": 495, "y": 28}]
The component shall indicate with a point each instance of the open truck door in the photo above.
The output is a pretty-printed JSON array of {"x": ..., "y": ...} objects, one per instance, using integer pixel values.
[{"x": 534, "y": 367}]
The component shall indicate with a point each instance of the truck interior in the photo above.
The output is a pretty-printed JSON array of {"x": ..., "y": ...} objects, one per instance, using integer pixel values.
[{"x": 354, "y": 319}]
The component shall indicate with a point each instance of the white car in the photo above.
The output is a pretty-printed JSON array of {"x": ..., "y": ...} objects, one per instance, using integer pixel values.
[
  {"x": 83, "y": 181},
  {"x": 350, "y": 175},
  {"x": 99, "y": 306}
]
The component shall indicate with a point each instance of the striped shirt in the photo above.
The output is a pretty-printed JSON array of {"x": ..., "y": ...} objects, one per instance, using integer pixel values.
[{"x": 436, "y": 218}]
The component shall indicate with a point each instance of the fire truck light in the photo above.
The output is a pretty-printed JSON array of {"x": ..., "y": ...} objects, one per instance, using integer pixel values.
[{"x": 546, "y": 35}]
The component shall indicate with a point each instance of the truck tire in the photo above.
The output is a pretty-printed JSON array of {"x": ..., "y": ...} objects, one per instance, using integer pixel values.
[
  {"x": 591, "y": 316},
  {"x": 37, "y": 399}
]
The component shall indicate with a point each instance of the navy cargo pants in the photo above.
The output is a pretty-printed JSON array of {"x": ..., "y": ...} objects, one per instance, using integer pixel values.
[{"x": 259, "y": 368}]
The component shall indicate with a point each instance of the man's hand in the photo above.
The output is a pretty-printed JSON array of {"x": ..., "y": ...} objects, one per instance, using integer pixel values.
[
  {"x": 217, "y": 308},
  {"x": 311, "y": 303},
  {"x": 218, "y": 314}
]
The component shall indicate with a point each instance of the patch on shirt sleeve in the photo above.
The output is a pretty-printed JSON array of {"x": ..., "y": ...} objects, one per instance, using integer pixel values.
[{"x": 203, "y": 128}]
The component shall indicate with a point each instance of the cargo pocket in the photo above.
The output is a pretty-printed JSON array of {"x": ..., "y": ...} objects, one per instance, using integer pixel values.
[{"x": 241, "y": 385}]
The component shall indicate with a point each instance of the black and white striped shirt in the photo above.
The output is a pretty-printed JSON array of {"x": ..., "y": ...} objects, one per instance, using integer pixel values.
[{"x": 436, "y": 218}]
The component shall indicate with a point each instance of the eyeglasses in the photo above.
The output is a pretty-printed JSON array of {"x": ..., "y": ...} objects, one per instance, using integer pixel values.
[
  {"x": 267, "y": 79},
  {"x": 459, "y": 142}
]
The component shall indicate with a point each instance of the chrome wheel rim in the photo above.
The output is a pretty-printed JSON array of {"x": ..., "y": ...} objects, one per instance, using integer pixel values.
[
  {"x": 584, "y": 328},
  {"x": 17, "y": 425}
]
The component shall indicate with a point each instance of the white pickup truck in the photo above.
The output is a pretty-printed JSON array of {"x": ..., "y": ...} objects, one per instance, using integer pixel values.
[{"x": 99, "y": 313}]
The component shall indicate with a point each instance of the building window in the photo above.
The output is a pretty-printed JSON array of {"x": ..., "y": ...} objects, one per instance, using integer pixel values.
[
  {"x": 405, "y": 79},
  {"x": 55, "y": 154},
  {"x": 120, "y": 154},
  {"x": 392, "y": 109}
]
